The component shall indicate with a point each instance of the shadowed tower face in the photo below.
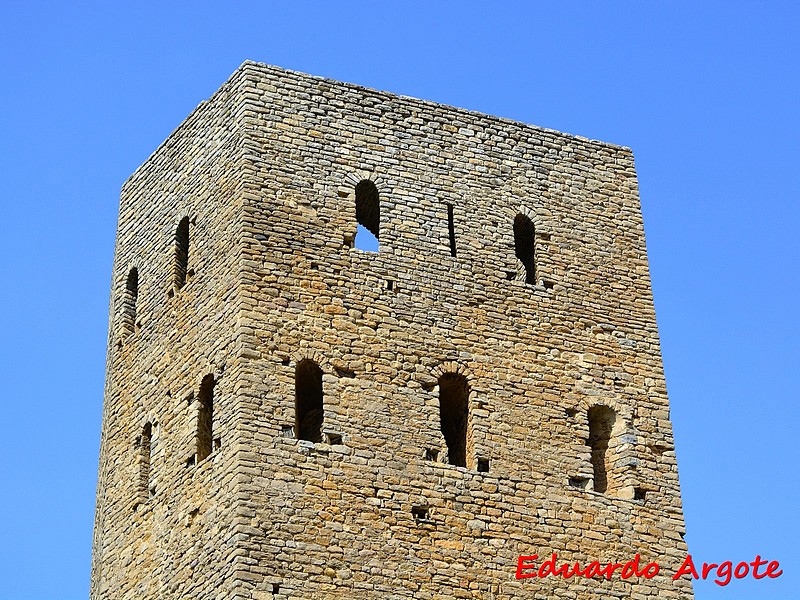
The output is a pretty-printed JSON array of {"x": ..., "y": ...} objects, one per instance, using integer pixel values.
[{"x": 291, "y": 412}]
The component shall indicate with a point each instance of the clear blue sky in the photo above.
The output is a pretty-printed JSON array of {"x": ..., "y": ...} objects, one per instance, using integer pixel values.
[{"x": 706, "y": 94}]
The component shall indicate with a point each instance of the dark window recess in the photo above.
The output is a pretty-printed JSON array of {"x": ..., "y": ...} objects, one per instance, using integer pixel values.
[
  {"x": 483, "y": 465},
  {"x": 525, "y": 247},
  {"x": 181, "y": 260},
  {"x": 308, "y": 401},
  {"x": 276, "y": 589},
  {"x": 601, "y": 423},
  {"x": 287, "y": 431},
  {"x": 451, "y": 228},
  {"x": 639, "y": 494},
  {"x": 454, "y": 416},
  {"x": 368, "y": 216},
  {"x": 129, "y": 299},
  {"x": 205, "y": 418}
]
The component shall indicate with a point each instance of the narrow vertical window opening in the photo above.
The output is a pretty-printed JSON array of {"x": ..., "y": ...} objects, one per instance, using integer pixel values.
[
  {"x": 454, "y": 416},
  {"x": 129, "y": 298},
  {"x": 451, "y": 228},
  {"x": 205, "y": 418},
  {"x": 601, "y": 425},
  {"x": 525, "y": 246},
  {"x": 308, "y": 401},
  {"x": 181, "y": 264},
  {"x": 368, "y": 216},
  {"x": 145, "y": 447}
]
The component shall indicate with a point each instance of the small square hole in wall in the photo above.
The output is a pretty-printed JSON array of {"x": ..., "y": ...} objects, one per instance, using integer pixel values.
[
  {"x": 431, "y": 454},
  {"x": 191, "y": 461},
  {"x": 420, "y": 513},
  {"x": 571, "y": 412},
  {"x": 483, "y": 465},
  {"x": 578, "y": 482},
  {"x": 287, "y": 431},
  {"x": 334, "y": 439},
  {"x": 639, "y": 494},
  {"x": 389, "y": 285},
  {"x": 548, "y": 285},
  {"x": 276, "y": 589},
  {"x": 217, "y": 443},
  {"x": 346, "y": 373},
  {"x": 152, "y": 491},
  {"x": 170, "y": 293},
  {"x": 511, "y": 275}
]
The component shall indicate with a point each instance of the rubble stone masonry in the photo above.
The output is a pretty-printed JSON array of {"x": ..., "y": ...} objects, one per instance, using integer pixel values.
[{"x": 288, "y": 416}]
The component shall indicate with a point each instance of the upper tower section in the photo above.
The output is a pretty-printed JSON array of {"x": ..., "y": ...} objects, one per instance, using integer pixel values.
[{"x": 292, "y": 413}]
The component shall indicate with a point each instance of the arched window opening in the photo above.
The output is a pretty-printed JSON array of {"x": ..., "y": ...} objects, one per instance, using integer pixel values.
[
  {"x": 145, "y": 447},
  {"x": 368, "y": 216},
  {"x": 129, "y": 298},
  {"x": 205, "y": 418},
  {"x": 308, "y": 401},
  {"x": 181, "y": 263},
  {"x": 454, "y": 416},
  {"x": 525, "y": 246},
  {"x": 601, "y": 426}
]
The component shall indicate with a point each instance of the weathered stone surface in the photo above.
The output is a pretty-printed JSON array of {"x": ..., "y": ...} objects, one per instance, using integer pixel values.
[{"x": 528, "y": 334}]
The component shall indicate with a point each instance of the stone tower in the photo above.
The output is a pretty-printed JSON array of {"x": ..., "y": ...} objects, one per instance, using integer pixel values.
[{"x": 287, "y": 415}]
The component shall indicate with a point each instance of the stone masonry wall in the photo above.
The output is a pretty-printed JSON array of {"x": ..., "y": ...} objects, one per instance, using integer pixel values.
[
  {"x": 159, "y": 545},
  {"x": 269, "y": 167}
]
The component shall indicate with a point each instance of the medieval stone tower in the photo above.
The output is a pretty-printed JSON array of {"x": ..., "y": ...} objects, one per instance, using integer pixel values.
[{"x": 288, "y": 416}]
